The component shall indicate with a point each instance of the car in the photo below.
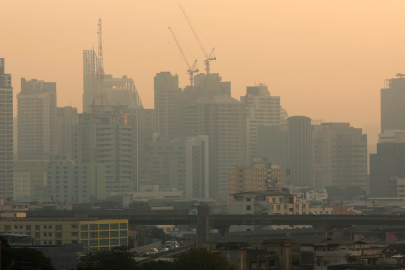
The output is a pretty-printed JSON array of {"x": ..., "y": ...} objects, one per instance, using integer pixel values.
[
  {"x": 277, "y": 214},
  {"x": 266, "y": 214},
  {"x": 168, "y": 243},
  {"x": 153, "y": 252},
  {"x": 395, "y": 214},
  {"x": 311, "y": 213},
  {"x": 164, "y": 249},
  {"x": 145, "y": 253}
]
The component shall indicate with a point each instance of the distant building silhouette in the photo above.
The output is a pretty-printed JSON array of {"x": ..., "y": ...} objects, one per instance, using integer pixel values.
[{"x": 392, "y": 104}]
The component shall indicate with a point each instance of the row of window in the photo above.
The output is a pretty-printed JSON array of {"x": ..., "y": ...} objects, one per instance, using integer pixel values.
[
  {"x": 104, "y": 234},
  {"x": 92, "y": 227},
  {"x": 105, "y": 242}
]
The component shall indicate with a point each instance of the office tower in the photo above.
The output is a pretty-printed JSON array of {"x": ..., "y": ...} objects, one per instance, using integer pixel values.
[
  {"x": 260, "y": 109},
  {"x": 35, "y": 171},
  {"x": 6, "y": 133},
  {"x": 272, "y": 141},
  {"x": 36, "y": 120},
  {"x": 182, "y": 164},
  {"x": 67, "y": 119},
  {"x": 70, "y": 182},
  {"x": 392, "y": 105},
  {"x": 206, "y": 85},
  {"x": 283, "y": 116},
  {"x": 119, "y": 91},
  {"x": 222, "y": 118},
  {"x": 339, "y": 154},
  {"x": 167, "y": 91},
  {"x": 108, "y": 140},
  {"x": 300, "y": 150},
  {"x": 387, "y": 163},
  {"x": 259, "y": 176}
]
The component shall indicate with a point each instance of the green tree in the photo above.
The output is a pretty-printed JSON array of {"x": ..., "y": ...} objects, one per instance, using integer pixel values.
[
  {"x": 155, "y": 232},
  {"x": 23, "y": 258},
  {"x": 158, "y": 265},
  {"x": 200, "y": 259},
  {"x": 117, "y": 258}
]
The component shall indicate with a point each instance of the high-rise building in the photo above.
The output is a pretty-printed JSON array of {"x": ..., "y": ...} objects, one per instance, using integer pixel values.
[
  {"x": 167, "y": 91},
  {"x": 119, "y": 91},
  {"x": 67, "y": 119},
  {"x": 182, "y": 164},
  {"x": 6, "y": 133},
  {"x": 107, "y": 139},
  {"x": 339, "y": 154},
  {"x": 300, "y": 150},
  {"x": 392, "y": 105},
  {"x": 387, "y": 163},
  {"x": 222, "y": 118},
  {"x": 261, "y": 109},
  {"x": 70, "y": 182},
  {"x": 36, "y": 170},
  {"x": 206, "y": 85},
  {"x": 272, "y": 141},
  {"x": 36, "y": 120}
]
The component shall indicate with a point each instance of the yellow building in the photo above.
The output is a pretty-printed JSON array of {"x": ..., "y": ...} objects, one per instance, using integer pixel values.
[{"x": 95, "y": 235}]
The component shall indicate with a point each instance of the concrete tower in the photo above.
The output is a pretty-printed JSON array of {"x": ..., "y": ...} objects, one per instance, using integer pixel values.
[
  {"x": 392, "y": 104},
  {"x": 300, "y": 151}
]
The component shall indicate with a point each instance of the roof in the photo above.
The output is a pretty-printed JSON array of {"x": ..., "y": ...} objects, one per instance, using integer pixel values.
[
  {"x": 342, "y": 242},
  {"x": 216, "y": 100},
  {"x": 233, "y": 245},
  {"x": 266, "y": 193},
  {"x": 399, "y": 247}
]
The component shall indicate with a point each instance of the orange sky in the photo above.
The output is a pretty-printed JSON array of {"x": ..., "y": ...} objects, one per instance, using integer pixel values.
[{"x": 324, "y": 58}]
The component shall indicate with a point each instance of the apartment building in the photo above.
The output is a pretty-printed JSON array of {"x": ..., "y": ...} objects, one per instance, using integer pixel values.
[
  {"x": 6, "y": 133},
  {"x": 260, "y": 109},
  {"x": 257, "y": 177},
  {"x": 22, "y": 184},
  {"x": 95, "y": 235},
  {"x": 36, "y": 119},
  {"x": 71, "y": 182},
  {"x": 222, "y": 118},
  {"x": 267, "y": 202},
  {"x": 66, "y": 120}
]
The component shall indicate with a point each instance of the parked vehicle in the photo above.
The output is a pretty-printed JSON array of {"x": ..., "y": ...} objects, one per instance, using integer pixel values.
[
  {"x": 164, "y": 249},
  {"x": 145, "y": 254},
  {"x": 168, "y": 243}
]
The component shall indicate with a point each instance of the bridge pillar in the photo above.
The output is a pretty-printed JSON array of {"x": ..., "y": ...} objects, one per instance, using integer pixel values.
[{"x": 203, "y": 230}]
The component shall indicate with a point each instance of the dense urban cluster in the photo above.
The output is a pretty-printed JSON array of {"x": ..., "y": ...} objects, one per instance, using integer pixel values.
[{"x": 87, "y": 189}]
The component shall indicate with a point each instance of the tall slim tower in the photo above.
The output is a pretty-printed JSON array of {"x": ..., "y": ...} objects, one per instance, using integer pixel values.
[
  {"x": 6, "y": 133},
  {"x": 300, "y": 151},
  {"x": 392, "y": 104}
]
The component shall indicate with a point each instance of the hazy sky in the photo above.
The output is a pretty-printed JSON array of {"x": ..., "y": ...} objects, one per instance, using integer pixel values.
[{"x": 324, "y": 58}]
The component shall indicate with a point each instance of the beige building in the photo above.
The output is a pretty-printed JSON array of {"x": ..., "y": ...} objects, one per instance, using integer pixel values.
[
  {"x": 258, "y": 177},
  {"x": 22, "y": 184},
  {"x": 267, "y": 202},
  {"x": 95, "y": 235}
]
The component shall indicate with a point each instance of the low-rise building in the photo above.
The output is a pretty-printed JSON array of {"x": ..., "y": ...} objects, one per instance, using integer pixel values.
[
  {"x": 95, "y": 235},
  {"x": 149, "y": 192},
  {"x": 267, "y": 202}
]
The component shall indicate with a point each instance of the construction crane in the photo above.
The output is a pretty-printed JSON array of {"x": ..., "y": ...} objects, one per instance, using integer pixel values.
[
  {"x": 191, "y": 69},
  {"x": 208, "y": 57}
]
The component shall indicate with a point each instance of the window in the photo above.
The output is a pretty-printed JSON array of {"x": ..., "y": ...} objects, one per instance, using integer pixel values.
[
  {"x": 104, "y": 248},
  {"x": 15, "y": 226},
  {"x": 114, "y": 242},
  {"x": 248, "y": 207},
  {"x": 58, "y": 227},
  {"x": 50, "y": 233},
  {"x": 37, "y": 235},
  {"x": 85, "y": 243},
  {"x": 123, "y": 241},
  {"x": 93, "y": 227},
  {"x": 248, "y": 199},
  {"x": 28, "y": 227},
  {"x": 93, "y": 243},
  {"x": 75, "y": 226},
  {"x": 114, "y": 234},
  {"x": 84, "y": 227},
  {"x": 104, "y": 226},
  {"x": 93, "y": 234},
  {"x": 50, "y": 226},
  {"x": 93, "y": 249},
  {"x": 7, "y": 227},
  {"x": 84, "y": 235},
  {"x": 59, "y": 242},
  {"x": 45, "y": 242},
  {"x": 45, "y": 226},
  {"x": 74, "y": 233},
  {"x": 104, "y": 242},
  {"x": 278, "y": 207},
  {"x": 285, "y": 207},
  {"x": 58, "y": 235},
  {"x": 28, "y": 233},
  {"x": 114, "y": 226},
  {"x": 45, "y": 234},
  {"x": 123, "y": 225},
  {"x": 104, "y": 234},
  {"x": 21, "y": 226},
  {"x": 37, "y": 242},
  {"x": 123, "y": 233},
  {"x": 50, "y": 242}
]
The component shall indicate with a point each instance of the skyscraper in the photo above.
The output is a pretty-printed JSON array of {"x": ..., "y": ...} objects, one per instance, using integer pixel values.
[
  {"x": 36, "y": 120},
  {"x": 392, "y": 103},
  {"x": 272, "y": 143},
  {"x": 6, "y": 133},
  {"x": 300, "y": 150},
  {"x": 67, "y": 119},
  {"x": 222, "y": 118},
  {"x": 261, "y": 109},
  {"x": 167, "y": 91},
  {"x": 340, "y": 156}
]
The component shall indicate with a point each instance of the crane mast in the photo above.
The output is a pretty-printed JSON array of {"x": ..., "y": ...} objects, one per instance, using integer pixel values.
[
  {"x": 191, "y": 69},
  {"x": 208, "y": 57}
]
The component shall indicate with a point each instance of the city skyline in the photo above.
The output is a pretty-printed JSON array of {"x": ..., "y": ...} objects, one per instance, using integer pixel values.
[{"x": 317, "y": 69}]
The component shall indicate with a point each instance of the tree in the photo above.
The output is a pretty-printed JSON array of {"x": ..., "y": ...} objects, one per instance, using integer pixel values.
[
  {"x": 200, "y": 259},
  {"x": 158, "y": 265},
  {"x": 155, "y": 232},
  {"x": 117, "y": 258},
  {"x": 23, "y": 258}
]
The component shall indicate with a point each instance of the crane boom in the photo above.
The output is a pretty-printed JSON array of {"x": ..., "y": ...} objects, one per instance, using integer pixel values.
[
  {"x": 208, "y": 57},
  {"x": 178, "y": 45}
]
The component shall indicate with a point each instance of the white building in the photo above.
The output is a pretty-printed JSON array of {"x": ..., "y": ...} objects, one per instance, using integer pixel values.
[{"x": 261, "y": 109}]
